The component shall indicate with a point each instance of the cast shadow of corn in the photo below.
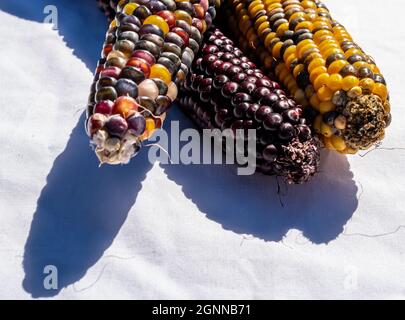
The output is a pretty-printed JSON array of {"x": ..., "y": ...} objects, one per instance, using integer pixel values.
[
  {"x": 79, "y": 213},
  {"x": 251, "y": 204}
]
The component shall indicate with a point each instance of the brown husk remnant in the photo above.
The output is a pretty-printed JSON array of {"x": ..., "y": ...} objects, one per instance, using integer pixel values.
[
  {"x": 366, "y": 121},
  {"x": 300, "y": 160}
]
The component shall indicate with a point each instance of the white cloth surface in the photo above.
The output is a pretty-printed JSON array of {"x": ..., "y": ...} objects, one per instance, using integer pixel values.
[{"x": 146, "y": 231}]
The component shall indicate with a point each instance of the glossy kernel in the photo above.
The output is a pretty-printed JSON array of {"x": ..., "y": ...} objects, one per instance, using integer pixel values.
[
  {"x": 325, "y": 94},
  {"x": 335, "y": 82},
  {"x": 161, "y": 72},
  {"x": 158, "y": 21},
  {"x": 321, "y": 80},
  {"x": 381, "y": 90},
  {"x": 338, "y": 143},
  {"x": 130, "y": 8},
  {"x": 349, "y": 82}
]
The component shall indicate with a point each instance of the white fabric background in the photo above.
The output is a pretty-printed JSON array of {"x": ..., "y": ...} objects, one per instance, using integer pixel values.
[{"x": 153, "y": 231}]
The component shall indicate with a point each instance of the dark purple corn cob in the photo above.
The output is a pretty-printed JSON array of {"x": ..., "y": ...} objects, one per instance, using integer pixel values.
[
  {"x": 149, "y": 48},
  {"x": 226, "y": 90}
]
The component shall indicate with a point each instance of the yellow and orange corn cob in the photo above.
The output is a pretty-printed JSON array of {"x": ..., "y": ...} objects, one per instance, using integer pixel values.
[{"x": 322, "y": 67}]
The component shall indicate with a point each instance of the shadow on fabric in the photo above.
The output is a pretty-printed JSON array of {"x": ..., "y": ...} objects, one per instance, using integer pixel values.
[
  {"x": 79, "y": 213},
  {"x": 251, "y": 204}
]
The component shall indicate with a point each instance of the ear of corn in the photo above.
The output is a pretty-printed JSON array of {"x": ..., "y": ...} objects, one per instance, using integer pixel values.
[
  {"x": 225, "y": 90},
  {"x": 149, "y": 48},
  {"x": 317, "y": 60}
]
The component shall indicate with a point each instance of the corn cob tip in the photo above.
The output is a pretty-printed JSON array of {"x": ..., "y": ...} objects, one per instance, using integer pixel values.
[
  {"x": 367, "y": 119},
  {"x": 113, "y": 151},
  {"x": 299, "y": 161}
]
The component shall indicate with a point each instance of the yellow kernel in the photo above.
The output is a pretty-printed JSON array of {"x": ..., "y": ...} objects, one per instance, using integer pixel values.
[
  {"x": 268, "y": 39},
  {"x": 335, "y": 82},
  {"x": 260, "y": 20},
  {"x": 381, "y": 90},
  {"x": 349, "y": 150},
  {"x": 336, "y": 66},
  {"x": 320, "y": 34},
  {"x": 306, "y": 4},
  {"x": 303, "y": 43},
  {"x": 113, "y": 24},
  {"x": 305, "y": 49},
  {"x": 130, "y": 8},
  {"x": 289, "y": 51},
  {"x": 317, "y": 124},
  {"x": 276, "y": 50},
  {"x": 244, "y": 23},
  {"x": 256, "y": 9},
  {"x": 296, "y": 15},
  {"x": 290, "y": 59},
  {"x": 158, "y": 21},
  {"x": 304, "y": 25},
  {"x": 361, "y": 64},
  {"x": 149, "y": 129},
  {"x": 298, "y": 68},
  {"x": 161, "y": 72},
  {"x": 321, "y": 80},
  {"x": 338, "y": 143},
  {"x": 318, "y": 62},
  {"x": 326, "y": 130},
  {"x": 349, "y": 82},
  {"x": 314, "y": 101},
  {"x": 354, "y": 92},
  {"x": 272, "y": 6},
  {"x": 367, "y": 84},
  {"x": 324, "y": 94},
  {"x": 328, "y": 143},
  {"x": 263, "y": 26},
  {"x": 326, "y": 106},
  {"x": 183, "y": 15},
  {"x": 316, "y": 73},
  {"x": 375, "y": 69},
  {"x": 282, "y": 28}
]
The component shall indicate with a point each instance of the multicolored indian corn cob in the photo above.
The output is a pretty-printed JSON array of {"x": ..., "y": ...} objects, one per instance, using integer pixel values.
[
  {"x": 226, "y": 90},
  {"x": 149, "y": 48},
  {"x": 318, "y": 61}
]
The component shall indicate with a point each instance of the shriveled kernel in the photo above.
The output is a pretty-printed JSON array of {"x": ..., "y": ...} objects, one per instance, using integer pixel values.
[
  {"x": 354, "y": 92},
  {"x": 340, "y": 122},
  {"x": 367, "y": 85}
]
